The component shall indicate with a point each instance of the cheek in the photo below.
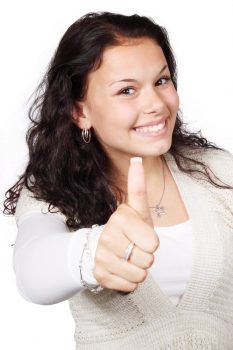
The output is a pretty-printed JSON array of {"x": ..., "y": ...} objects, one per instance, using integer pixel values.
[
  {"x": 118, "y": 115},
  {"x": 109, "y": 116},
  {"x": 173, "y": 101},
  {"x": 125, "y": 114},
  {"x": 176, "y": 102}
]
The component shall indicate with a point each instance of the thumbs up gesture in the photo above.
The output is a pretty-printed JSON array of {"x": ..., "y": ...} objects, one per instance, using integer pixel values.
[{"x": 131, "y": 222}]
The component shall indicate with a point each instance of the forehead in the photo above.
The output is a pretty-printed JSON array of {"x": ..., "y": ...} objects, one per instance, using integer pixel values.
[{"x": 132, "y": 58}]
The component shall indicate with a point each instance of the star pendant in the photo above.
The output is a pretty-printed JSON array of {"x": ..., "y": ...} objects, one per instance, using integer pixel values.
[{"x": 159, "y": 210}]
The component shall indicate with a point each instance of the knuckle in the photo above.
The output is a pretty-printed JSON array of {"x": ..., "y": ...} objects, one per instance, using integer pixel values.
[
  {"x": 104, "y": 239},
  {"x": 145, "y": 275},
  {"x": 134, "y": 287},
  {"x": 98, "y": 256},
  {"x": 150, "y": 260},
  {"x": 142, "y": 276},
  {"x": 155, "y": 244},
  {"x": 99, "y": 275},
  {"x": 128, "y": 287}
]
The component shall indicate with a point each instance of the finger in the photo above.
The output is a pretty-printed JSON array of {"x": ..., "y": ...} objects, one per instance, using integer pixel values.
[
  {"x": 120, "y": 284},
  {"x": 122, "y": 268},
  {"x": 128, "y": 271},
  {"x": 111, "y": 281},
  {"x": 127, "y": 221},
  {"x": 141, "y": 259},
  {"x": 138, "y": 256},
  {"x": 137, "y": 195}
]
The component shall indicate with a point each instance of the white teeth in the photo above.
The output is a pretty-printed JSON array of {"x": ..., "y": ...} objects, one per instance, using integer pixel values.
[{"x": 153, "y": 128}]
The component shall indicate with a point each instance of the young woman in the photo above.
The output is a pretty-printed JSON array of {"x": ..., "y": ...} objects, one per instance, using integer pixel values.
[{"x": 121, "y": 210}]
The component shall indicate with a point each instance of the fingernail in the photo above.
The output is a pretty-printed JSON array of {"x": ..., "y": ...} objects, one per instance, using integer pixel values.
[{"x": 136, "y": 160}]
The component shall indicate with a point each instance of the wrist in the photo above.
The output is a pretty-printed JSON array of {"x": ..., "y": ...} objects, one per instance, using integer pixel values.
[{"x": 86, "y": 264}]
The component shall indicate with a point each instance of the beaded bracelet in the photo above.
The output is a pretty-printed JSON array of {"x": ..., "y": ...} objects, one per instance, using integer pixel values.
[{"x": 86, "y": 250}]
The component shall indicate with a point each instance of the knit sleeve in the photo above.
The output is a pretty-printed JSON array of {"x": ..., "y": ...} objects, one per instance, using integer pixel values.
[
  {"x": 28, "y": 204},
  {"x": 221, "y": 163}
]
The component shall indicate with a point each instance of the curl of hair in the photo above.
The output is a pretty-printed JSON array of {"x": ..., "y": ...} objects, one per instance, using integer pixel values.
[{"x": 62, "y": 170}]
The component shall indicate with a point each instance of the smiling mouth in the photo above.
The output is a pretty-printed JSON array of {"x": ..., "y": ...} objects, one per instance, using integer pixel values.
[{"x": 151, "y": 128}]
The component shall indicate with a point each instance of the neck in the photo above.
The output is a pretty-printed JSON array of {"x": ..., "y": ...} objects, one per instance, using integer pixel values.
[{"x": 153, "y": 168}]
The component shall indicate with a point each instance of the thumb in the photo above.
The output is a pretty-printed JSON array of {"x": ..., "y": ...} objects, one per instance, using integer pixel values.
[{"x": 137, "y": 195}]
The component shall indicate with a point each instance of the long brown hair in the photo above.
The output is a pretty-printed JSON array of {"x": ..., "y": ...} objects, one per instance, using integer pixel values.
[{"x": 64, "y": 171}]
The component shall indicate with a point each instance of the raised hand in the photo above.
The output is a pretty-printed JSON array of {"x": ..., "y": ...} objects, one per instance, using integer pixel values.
[{"x": 131, "y": 222}]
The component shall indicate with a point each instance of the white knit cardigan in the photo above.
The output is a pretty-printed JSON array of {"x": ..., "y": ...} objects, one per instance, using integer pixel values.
[{"x": 146, "y": 318}]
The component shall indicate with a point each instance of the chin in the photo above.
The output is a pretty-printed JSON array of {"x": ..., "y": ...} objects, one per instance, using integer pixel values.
[{"x": 157, "y": 150}]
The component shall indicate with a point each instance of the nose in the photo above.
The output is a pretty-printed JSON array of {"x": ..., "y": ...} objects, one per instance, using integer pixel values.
[{"x": 153, "y": 102}]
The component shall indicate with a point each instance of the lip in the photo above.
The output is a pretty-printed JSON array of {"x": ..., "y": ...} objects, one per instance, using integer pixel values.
[
  {"x": 153, "y": 134},
  {"x": 152, "y": 123}
]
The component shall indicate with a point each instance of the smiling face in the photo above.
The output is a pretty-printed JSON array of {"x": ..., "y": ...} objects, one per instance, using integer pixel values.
[{"x": 129, "y": 91}]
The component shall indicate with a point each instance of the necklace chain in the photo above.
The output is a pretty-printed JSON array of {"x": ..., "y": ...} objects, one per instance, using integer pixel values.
[{"x": 160, "y": 210}]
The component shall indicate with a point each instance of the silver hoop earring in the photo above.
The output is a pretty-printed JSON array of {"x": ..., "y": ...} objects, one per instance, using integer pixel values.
[{"x": 86, "y": 135}]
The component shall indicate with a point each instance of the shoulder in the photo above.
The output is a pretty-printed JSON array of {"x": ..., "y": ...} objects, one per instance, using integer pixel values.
[
  {"x": 220, "y": 162},
  {"x": 28, "y": 204}
]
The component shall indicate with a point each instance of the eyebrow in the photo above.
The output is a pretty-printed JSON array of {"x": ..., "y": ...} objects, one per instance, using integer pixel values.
[{"x": 134, "y": 80}]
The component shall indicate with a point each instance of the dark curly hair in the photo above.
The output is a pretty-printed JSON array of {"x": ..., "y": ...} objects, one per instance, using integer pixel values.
[{"x": 62, "y": 170}]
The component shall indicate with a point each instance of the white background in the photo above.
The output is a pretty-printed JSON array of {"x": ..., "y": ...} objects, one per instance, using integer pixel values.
[{"x": 201, "y": 35}]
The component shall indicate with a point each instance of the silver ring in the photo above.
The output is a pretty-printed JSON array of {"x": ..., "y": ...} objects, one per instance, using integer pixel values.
[{"x": 128, "y": 251}]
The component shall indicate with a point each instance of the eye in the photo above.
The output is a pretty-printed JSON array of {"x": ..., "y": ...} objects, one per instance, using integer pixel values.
[
  {"x": 126, "y": 90},
  {"x": 165, "y": 78}
]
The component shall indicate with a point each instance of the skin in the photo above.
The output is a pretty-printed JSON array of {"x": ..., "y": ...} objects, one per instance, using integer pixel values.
[
  {"x": 113, "y": 109},
  {"x": 145, "y": 100}
]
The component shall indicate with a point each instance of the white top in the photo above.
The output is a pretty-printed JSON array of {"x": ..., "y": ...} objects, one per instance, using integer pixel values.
[
  {"x": 146, "y": 318},
  {"x": 47, "y": 256},
  {"x": 173, "y": 259}
]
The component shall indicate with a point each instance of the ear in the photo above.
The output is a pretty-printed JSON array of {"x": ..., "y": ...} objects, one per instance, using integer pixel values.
[{"x": 79, "y": 117}]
